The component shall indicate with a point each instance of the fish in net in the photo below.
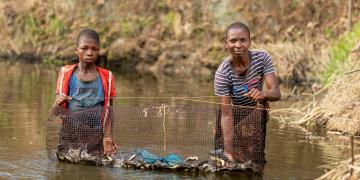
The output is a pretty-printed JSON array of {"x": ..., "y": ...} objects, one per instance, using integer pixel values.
[
  {"x": 77, "y": 136},
  {"x": 164, "y": 136}
]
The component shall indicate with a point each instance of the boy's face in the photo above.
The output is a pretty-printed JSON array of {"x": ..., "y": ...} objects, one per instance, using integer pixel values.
[
  {"x": 87, "y": 50},
  {"x": 237, "y": 42}
]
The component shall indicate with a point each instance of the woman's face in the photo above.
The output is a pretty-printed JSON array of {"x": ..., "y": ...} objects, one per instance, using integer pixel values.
[
  {"x": 238, "y": 42},
  {"x": 87, "y": 50}
]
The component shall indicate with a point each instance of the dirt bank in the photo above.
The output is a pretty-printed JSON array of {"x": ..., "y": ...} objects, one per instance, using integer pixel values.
[{"x": 175, "y": 37}]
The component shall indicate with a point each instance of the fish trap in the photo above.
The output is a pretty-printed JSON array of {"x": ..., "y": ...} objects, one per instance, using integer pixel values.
[{"x": 192, "y": 132}]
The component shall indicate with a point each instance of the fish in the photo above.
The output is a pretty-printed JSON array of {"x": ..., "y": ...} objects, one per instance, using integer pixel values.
[
  {"x": 132, "y": 157},
  {"x": 191, "y": 158}
]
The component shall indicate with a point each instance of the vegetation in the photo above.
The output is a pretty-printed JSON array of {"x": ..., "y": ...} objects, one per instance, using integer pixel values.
[
  {"x": 168, "y": 35},
  {"x": 340, "y": 51},
  {"x": 177, "y": 37}
]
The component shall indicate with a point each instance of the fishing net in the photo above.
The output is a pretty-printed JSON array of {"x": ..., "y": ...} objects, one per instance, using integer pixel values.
[
  {"x": 249, "y": 127},
  {"x": 76, "y": 136},
  {"x": 170, "y": 135}
]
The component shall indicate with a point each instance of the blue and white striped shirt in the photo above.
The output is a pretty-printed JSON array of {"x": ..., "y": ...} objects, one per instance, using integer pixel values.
[{"x": 228, "y": 83}]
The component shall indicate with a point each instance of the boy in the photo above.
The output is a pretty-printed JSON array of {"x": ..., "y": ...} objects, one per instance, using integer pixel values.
[{"x": 86, "y": 91}]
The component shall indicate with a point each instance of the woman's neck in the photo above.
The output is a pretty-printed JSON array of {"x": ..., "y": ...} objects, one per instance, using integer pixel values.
[
  {"x": 241, "y": 64},
  {"x": 241, "y": 61}
]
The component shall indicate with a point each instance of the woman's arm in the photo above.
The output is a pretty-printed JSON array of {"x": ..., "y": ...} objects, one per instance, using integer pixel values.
[
  {"x": 272, "y": 93},
  {"x": 227, "y": 128}
]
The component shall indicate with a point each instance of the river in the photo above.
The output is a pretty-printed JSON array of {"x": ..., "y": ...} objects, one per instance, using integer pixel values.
[{"x": 27, "y": 93}]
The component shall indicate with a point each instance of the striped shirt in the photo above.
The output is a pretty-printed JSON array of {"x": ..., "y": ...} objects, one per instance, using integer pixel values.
[{"x": 228, "y": 83}]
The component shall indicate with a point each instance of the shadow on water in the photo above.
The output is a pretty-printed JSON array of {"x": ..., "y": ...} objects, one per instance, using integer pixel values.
[{"x": 27, "y": 93}]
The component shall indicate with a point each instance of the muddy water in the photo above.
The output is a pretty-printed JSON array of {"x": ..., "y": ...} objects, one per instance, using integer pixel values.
[{"x": 27, "y": 92}]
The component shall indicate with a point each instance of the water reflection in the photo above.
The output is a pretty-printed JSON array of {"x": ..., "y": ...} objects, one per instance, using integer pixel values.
[{"x": 27, "y": 91}]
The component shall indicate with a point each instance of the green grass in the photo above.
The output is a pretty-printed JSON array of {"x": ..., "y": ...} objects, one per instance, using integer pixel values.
[
  {"x": 340, "y": 51},
  {"x": 55, "y": 26},
  {"x": 168, "y": 20},
  {"x": 126, "y": 27},
  {"x": 144, "y": 22},
  {"x": 31, "y": 30}
]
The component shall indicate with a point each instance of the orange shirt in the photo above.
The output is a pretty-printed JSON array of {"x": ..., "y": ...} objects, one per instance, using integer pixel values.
[{"x": 107, "y": 80}]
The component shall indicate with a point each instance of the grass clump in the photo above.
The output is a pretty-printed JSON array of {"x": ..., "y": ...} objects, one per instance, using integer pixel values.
[{"x": 340, "y": 51}]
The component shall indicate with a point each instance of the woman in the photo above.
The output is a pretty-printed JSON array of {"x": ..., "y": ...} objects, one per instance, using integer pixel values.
[{"x": 239, "y": 81}]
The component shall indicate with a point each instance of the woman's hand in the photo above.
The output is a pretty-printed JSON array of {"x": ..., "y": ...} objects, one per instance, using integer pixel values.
[
  {"x": 110, "y": 146},
  {"x": 255, "y": 95}
]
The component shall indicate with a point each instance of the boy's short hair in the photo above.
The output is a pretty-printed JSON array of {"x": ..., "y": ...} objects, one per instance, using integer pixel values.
[{"x": 88, "y": 33}]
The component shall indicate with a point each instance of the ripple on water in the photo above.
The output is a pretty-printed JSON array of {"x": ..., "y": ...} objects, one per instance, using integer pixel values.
[
  {"x": 5, "y": 174},
  {"x": 34, "y": 166}
]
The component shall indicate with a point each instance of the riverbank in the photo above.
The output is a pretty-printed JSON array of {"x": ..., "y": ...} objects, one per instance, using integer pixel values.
[
  {"x": 176, "y": 38},
  {"x": 335, "y": 108}
]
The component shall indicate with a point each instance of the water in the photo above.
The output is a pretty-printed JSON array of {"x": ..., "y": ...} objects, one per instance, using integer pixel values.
[{"x": 27, "y": 92}]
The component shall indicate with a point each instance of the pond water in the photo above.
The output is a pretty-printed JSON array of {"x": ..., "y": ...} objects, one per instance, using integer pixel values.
[{"x": 27, "y": 93}]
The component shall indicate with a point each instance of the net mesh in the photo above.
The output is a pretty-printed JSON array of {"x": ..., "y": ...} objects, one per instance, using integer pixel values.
[
  {"x": 189, "y": 133},
  {"x": 249, "y": 129},
  {"x": 76, "y": 132}
]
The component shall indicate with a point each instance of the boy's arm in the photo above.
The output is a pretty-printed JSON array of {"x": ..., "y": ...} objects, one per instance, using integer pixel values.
[
  {"x": 110, "y": 146},
  {"x": 108, "y": 123},
  {"x": 61, "y": 99}
]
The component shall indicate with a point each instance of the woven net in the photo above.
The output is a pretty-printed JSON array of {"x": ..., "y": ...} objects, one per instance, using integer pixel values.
[
  {"x": 158, "y": 134},
  {"x": 249, "y": 134}
]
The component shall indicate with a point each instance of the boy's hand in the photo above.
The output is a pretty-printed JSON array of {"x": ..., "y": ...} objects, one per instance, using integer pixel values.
[
  {"x": 61, "y": 99},
  {"x": 110, "y": 146},
  {"x": 229, "y": 156},
  {"x": 255, "y": 95}
]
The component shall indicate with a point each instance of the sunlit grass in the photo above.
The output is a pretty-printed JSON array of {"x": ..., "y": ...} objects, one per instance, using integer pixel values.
[{"x": 340, "y": 50}]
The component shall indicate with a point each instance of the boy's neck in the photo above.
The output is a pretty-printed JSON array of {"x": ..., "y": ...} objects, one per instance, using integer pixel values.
[{"x": 86, "y": 67}]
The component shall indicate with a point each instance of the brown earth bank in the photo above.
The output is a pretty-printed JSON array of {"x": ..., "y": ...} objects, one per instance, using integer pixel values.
[
  {"x": 177, "y": 37},
  {"x": 339, "y": 109}
]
